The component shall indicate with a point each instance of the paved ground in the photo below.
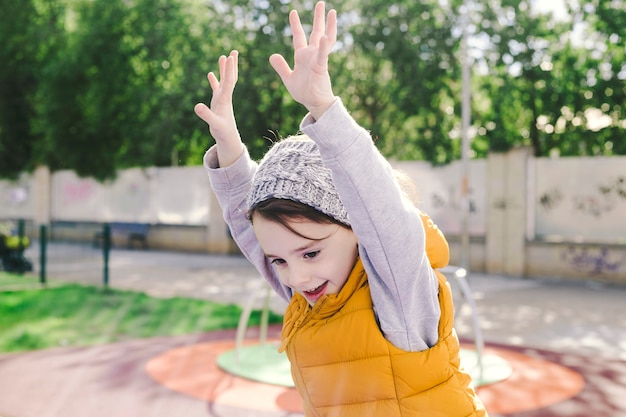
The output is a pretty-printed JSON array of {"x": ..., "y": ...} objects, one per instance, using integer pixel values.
[{"x": 580, "y": 325}]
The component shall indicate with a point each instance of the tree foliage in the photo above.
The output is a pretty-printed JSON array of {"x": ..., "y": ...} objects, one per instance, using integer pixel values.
[
  {"x": 406, "y": 79},
  {"x": 95, "y": 85},
  {"x": 551, "y": 73},
  {"x": 19, "y": 28}
]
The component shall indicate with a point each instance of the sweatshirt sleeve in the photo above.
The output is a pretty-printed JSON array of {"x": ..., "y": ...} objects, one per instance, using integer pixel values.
[
  {"x": 389, "y": 229},
  {"x": 231, "y": 186}
]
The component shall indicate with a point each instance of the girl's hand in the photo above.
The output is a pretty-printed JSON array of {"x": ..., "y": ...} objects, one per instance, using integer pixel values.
[
  {"x": 309, "y": 81},
  {"x": 220, "y": 116}
]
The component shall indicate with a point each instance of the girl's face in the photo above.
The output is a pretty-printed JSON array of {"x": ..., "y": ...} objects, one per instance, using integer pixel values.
[{"x": 312, "y": 266}]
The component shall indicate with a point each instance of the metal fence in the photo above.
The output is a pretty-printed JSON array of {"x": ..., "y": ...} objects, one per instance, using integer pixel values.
[{"x": 52, "y": 258}]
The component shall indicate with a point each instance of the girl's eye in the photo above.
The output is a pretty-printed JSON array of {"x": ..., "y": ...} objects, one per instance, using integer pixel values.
[
  {"x": 278, "y": 261},
  {"x": 311, "y": 255}
]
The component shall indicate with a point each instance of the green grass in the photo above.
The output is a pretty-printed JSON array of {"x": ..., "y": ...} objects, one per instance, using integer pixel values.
[
  {"x": 14, "y": 281},
  {"x": 33, "y": 317}
]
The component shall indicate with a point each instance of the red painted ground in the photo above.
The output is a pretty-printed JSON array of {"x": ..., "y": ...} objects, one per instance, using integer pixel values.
[{"x": 192, "y": 370}]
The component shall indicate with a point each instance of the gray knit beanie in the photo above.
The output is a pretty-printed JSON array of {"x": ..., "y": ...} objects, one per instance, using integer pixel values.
[{"x": 293, "y": 170}]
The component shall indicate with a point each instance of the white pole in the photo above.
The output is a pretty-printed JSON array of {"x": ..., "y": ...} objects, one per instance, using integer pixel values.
[{"x": 465, "y": 146}]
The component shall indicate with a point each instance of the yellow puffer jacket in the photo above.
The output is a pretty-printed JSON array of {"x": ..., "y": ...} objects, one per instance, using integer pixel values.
[{"x": 343, "y": 366}]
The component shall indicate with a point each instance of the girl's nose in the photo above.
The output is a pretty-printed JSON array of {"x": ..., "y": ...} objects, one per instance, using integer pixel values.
[{"x": 299, "y": 278}]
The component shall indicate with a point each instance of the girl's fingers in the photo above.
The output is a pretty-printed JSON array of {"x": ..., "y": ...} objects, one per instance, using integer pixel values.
[
  {"x": 213, "y": 82},
  {"x": 222, "y": 65},
  {"x": 234, "y": 61},
  {"x": 280, "y": 65},
  {"x": 331, "y": 27},
  {"x": 323, "y": 27},
  {"x": 229, "y": 72},
  {"x": 319, "y": 27},
  {"x": 203, "y": 112},
  {"x": 318, "y": 24},
  {"x": 299, "y": 38}
]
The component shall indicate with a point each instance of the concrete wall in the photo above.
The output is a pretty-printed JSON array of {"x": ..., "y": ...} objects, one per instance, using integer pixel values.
[
  {"x": 600, "y": 262},
  {"x": 536, "y": 217},
  {"x": 506, "y": 212}
]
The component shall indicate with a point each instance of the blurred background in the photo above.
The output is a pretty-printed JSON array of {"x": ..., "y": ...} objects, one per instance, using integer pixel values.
[
  {"x": 508, "y": 115},
  {"x": 96, "y": 86}
]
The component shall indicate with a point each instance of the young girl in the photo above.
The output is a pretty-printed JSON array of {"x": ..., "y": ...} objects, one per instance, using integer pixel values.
[{"x": 368, "y": 329}]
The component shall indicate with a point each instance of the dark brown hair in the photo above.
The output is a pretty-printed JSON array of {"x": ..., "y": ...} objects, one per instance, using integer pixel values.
[{"x": 282, "y": 211}]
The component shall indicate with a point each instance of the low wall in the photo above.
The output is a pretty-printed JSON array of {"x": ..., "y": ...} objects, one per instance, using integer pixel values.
[
  {"x": 477, "y": 256},
  {"x": 599, "y": 262},
  {"x": 159, "y": 236},
  {"x": 189, "y": 239}
]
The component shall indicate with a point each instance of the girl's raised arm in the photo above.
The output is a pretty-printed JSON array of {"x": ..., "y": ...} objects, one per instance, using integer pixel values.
[
  {"x": 220, "y": 116},
  {"x": 309, "y": 82}
]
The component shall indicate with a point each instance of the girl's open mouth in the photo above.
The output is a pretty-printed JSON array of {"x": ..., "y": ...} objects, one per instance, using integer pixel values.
[{"x": 314, "y": 294}]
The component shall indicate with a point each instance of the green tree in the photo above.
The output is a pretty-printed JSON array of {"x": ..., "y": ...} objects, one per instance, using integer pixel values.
[
  {"x": 544, "y": 86},
  {"x": 121, "y": 91},
  {"x": 95, "y": 85},
  {"x": 170, "y": 43},
  {"x": 517, "y": 81},
  {"x": 24, "y": 34},
  {"x": 85, "y": 106},
  {"x": 605, "y": 37},
  {"x": 406, "y": 76}
]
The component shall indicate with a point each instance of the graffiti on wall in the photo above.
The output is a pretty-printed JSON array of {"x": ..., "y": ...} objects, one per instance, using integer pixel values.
[
  {"x": 16, "y": 198},
  {"x": 595, "y": 261},
  {"x": 176, "y": 195},
  {"x": 18, "y": 195},
  {"x": 580, "y": 200},
  {"x": 604, "y": 198},
  {"x": 76, "y": 191},
  {"x": 550, "y": 199},
  {"x": 452, "y": 200}
]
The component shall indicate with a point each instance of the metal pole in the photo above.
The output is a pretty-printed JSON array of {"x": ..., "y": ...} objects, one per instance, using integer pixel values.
[
  {"x": 43, "y": 243},
  {"x": 106, "y": 249},
  {"x": 465, "y": 145},
  {"x": 20, "y": 235}
]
